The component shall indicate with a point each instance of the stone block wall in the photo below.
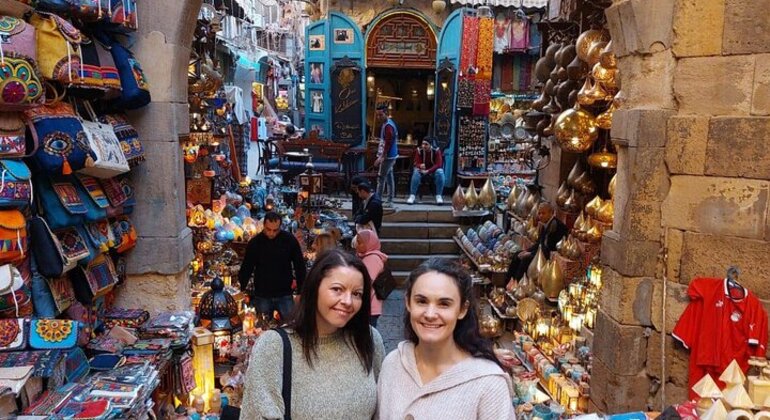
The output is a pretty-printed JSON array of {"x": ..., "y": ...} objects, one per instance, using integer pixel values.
[
  {"x": 157, "y": 267},
  {"x": 693, "y": 141}
]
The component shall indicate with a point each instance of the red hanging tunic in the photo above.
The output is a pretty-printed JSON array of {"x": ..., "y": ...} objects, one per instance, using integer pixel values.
[{"x": 717, "y": 329}]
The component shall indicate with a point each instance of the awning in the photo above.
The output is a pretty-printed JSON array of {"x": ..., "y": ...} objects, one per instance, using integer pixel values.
[{"x": 540, "y": 4}]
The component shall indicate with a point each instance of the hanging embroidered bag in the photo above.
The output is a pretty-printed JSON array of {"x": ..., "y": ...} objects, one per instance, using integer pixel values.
[
  {"x": 124, "y": 14},
  {"x": 95, "y": 280},
  {"x": 13, "y": 236},
  {"x": 109, "y": 159},
  {"x": 88, "y": 84},
  {"x": 15, "y": 183},
  {"x": 20, "y": 82},
  {"x": 12, "y": 139},
  {"x": 55, "y": 252},
  {"x": 110, "y": 76},
  {"x": 58, "y": 47},
  {"x": 125, "y": 234},
  {"x": 92, "y": 10},
  {"x": 13, "y": 334},
  {"x": 63, "y": 145},
  {"x": 53, "y": 334},
  {"x": 62, "y": 292},
  {"x": 128, "y": 137},
  {"x": 135, "y": 87}
]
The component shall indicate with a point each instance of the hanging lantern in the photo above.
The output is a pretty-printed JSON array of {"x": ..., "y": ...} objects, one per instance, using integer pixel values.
[
  {"x": 576, "y": 130},
  {"x": 439, "y": 6},
  {"x": 603, "y": 159}
]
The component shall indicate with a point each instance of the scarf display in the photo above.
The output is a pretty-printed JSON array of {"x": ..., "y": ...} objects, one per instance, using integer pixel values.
[
  {"x": 485, "y": 48},
  {"x": 519, "y": 35},
  {"x": 482, "y": 96},
  {"x": 466, "y": 91},
  {"x": 470, "y": 43}
]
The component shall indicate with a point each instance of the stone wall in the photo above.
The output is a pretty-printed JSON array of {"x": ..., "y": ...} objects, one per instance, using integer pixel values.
[
  {"x": 157, "y": 267},
  {"x": 693, "y": 183},
  {"x": 363, "y": 12}
]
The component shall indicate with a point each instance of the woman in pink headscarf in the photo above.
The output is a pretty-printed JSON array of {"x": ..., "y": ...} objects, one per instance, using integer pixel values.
[{"x": 367, "y": 246}]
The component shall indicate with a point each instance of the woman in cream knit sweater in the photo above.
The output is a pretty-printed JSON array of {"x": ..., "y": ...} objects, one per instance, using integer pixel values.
[
  {"x": 445, "y": 370},
  {"x": 336, "y": 355}
]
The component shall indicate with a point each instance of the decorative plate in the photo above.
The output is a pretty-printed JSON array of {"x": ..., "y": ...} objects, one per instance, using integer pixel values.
[
  {"x": 494, "y": 130},
  {"x": 508, "y": 130},
  {"x": 527, "y": 309},
  {"x": 519, "y": 133}
]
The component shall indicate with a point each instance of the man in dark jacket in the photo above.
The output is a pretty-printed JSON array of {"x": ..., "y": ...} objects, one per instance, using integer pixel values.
[
  {"x": 357, "y": 203},
  {"x": 552, "y": 230},
  {"x": 371, "y": 210},
  {"x": 274, "y": 258}
]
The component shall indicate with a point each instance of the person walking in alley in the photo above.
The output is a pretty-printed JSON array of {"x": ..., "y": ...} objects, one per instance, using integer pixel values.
[{"x": 274, "y": 259}]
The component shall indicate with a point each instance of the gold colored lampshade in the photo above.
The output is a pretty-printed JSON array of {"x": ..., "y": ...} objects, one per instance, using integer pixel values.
[
  {"x": 571, "y": 204},
  {"x": 579, "y": 221},
  {"x": 487, "y": 197},
  {"x": 603, "y": 159},
  {"x": 583, "y": 96},
  {"x": 458, "y": 199},
  {"x": 604, "y": 120},
  {"x": 576, "y": 130},
  {"x": 606, "y": 212},
  {"x": 536, "y": 266},
  {"x": 613, "y": 183},
  {"x": 562, "y": 194},
  {"x": 607, "y": 58},
  {"x": 593, "y": 206},
  {"x": 585, "y": 185},
  {"x": 594, "y": 234},
  {"x": 598, "y": 93},
  {"x": 601, "y": 74},
  {"x": 595, "y": 52},
  {"x": 553, "y": 281},
  {"x": 471, "y": 197},
  {"x": 586, "y": 40}
]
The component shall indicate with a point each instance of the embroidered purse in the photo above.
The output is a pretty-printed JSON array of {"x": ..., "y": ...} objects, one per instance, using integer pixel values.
[
  {"x": 53, "y": 334},
  {"x": 101, "y": 235},
  {"x": 94, "y": 280},
  {"x": 62, "y": 292},
  {"x": 12, "y": 139},
  {"x": 135, "y": 88},
  {"x": 76, "y": 365},
  {"x": 15, "y": 183},
  {"x": 109, "y": 159},
  {"x": 66, "y": 202},
  {"x": 62, "y": 144},
  {"x": 128, "y": 137},
  {"x": 88, "y": 84},
  {"x": 127, "y": 318},
  {"x": 58, "y": 47},
  {"x": 13, "y": 334},
  {"x": 20, "y": 81},
  {"x": 124, "y": 233},
  {"x": 52, "y": 256},
  {"x": 124, "y": 13},
  {"x": 13, "y": 236}
]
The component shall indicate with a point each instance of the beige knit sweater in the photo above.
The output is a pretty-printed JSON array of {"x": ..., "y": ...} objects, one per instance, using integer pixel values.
[
  {"x": 473, "y": 389},
  {"x": 336, "y": 387}
]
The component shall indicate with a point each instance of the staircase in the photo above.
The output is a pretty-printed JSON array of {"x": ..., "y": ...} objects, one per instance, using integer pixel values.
[{"x": 411, "y": 234}]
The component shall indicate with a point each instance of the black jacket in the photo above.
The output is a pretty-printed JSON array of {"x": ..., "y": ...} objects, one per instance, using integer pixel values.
[
  {"x": 274, "y": 263},
  {"x": 371, "y": 213},
  {"x": 550, "y": 235}
]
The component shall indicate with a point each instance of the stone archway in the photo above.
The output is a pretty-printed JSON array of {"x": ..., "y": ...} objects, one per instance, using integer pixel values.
[
  {"x": 157, "y": 267},
  {"x": 693, "y": 184}
]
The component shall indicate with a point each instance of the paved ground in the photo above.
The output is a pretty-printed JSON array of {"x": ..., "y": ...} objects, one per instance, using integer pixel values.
[{"x": 391, "y": 323}]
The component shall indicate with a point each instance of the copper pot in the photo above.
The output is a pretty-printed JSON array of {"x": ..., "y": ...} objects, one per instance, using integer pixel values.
[
  {"x": 542, "y": 71},
  {"x": 568, "y": 53},
  {"x": 577, "y": 69}
]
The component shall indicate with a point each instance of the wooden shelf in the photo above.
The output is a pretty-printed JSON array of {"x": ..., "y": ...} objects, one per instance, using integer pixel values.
[{"x": 473, "y": 260}]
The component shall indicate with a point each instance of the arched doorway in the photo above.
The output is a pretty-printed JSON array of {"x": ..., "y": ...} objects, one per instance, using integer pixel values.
[{"x": 401, "y": 62}]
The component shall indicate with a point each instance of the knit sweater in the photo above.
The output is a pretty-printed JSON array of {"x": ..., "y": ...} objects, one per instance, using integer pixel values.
[
  {"x": 474, "y": 388},
  {"x": 336, "y": 387}
]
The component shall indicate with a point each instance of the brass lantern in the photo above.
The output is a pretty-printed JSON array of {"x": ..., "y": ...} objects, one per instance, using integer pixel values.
[{"x": 576, "y": 130}]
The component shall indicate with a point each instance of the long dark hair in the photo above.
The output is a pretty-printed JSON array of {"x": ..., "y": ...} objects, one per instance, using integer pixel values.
[
  {"x": 466, "y": 333},
  {"x": 357, "y": 332}
]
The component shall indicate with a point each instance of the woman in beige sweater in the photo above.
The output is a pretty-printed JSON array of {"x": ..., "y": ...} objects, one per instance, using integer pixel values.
[
  {"x": 445, "y": 370},
  {"x": 336, "y": 355}
]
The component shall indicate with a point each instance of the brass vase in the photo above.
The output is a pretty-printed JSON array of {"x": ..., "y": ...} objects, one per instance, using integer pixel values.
[
  {"x": 586, "y": 40},
  {"x": 593, "y": 206},
  {"x": 595, "y": 52},
  {"x": 606, "y": 212},
  {"x": 574, "y": 174},
  {"x": 604, "y": 120},
  {"x": 553, "y": 280},
  {"x": 608, "y": 58},
  {"x": 585, "y": 185},
  {"x": 512, "y": 196},
  {"x": 458, "y": 199},
  {"x": 471, "y": 197},
  {"x": 536, "y": 266},
  {"x": 487, "y": 196}
]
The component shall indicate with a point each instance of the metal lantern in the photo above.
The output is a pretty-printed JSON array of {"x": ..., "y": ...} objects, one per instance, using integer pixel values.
[{"x": 218, "y": 311}]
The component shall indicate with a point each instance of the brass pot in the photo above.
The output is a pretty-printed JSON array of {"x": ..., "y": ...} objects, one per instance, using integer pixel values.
[
  {"x": 471, "y": 197},
  {"x": 536, "y": 266},
  {"x": 584, "y": 96},
  {"x": 585, "y": 185},
  {"x": 490, "y": 327},
  {"x": 601, "y": 74},
  {"x": 611, "y": 187},
  {"x": 562, "y": 194},
  {"x": 604, "y": 120},
  {"x": 552, "y": 107},
  {"x": 595, "y": 52},
  {"x": 593, "y": 206},
  {"x": 574, "y": 174},
  {"x": 586, "y": 40},
  {"x": 606, "y": 212},
  {"x": 598, "y": 93},
  {"x": 458, "y": 199},
  {"x": 553, "y": 281},
  {"x": 487, "y": 196}
]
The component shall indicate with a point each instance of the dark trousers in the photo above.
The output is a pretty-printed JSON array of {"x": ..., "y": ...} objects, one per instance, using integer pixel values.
[
  {"x": 519, "y": 266},
  {"x": 282, "y": 304}
]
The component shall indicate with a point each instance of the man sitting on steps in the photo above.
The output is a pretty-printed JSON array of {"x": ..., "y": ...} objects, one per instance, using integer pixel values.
[{"x": 428, "y": 161}]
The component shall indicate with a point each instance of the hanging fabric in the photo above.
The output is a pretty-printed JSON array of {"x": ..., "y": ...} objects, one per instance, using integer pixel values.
[
  {"x": 502, "y": 33},
  {"x": 469, "y": 44},
  {"x": 519, "y": 35},
  {"x": 485, "y": 49}
]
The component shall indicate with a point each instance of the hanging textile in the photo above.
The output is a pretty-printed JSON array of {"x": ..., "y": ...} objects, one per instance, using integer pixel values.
[
  {"x": 469, "y": 44},
  {"x": 519, "y": 35},
  {"x": 523, "y": 70},
  {"x": 502, "y": 33},
  {"x": 535, "y": 40},
  {"x": 466, "y": 91},
  {"x": 497, "y": 72},
  {"x": 481, "y": 98},
  {"x": 485, "y": 49},
  {"x": 506, "y": 73}
]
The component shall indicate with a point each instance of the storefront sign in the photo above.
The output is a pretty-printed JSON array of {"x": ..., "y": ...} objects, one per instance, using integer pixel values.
[
  {"x": 347, "y": 118},
  {"x": 443, "y": 109}
]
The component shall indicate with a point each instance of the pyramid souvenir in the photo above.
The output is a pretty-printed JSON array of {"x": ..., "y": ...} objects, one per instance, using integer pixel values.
[
  {"x": 759, "y": 391},
  {"x": 733, "y": 374},
  {"x": 707, "y": 388},
  {"x": 766, "y": 403},
  {"x": 735, "y": 396},
  {"x": 716, "y": 412}
]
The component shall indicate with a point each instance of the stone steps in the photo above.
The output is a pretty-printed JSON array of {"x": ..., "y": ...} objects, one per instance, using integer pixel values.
[
  {"x": 419, "y": 246},
  {"x": 416, "y": 230},
  {"x": 410, "y": 262}
]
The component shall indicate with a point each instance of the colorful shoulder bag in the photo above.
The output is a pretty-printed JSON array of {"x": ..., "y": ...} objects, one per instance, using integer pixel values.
[
  {"x": 55, "y": 252},
  {"x": 109, "y": 159},
  {"x": 12, "y": 138},
  {"x": 59, "y": 202},
  {"x": 62, "y": 144},
  {"x": 20, "y": 81},
  {"x": 124, "y": 233},
  {"x": 15, "y": 183},
  {"x": 58, "y": 47},
  {"x": 53, "y": 334},
  {"x": 13, "y": 334},
  {"x": 94, "y": 280},
  {"x": 128, "y": 137},
  {"x": 124, "y": 14},
  {"x": 135, "y": 87},
  {"x": 13, "y": 236}
]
